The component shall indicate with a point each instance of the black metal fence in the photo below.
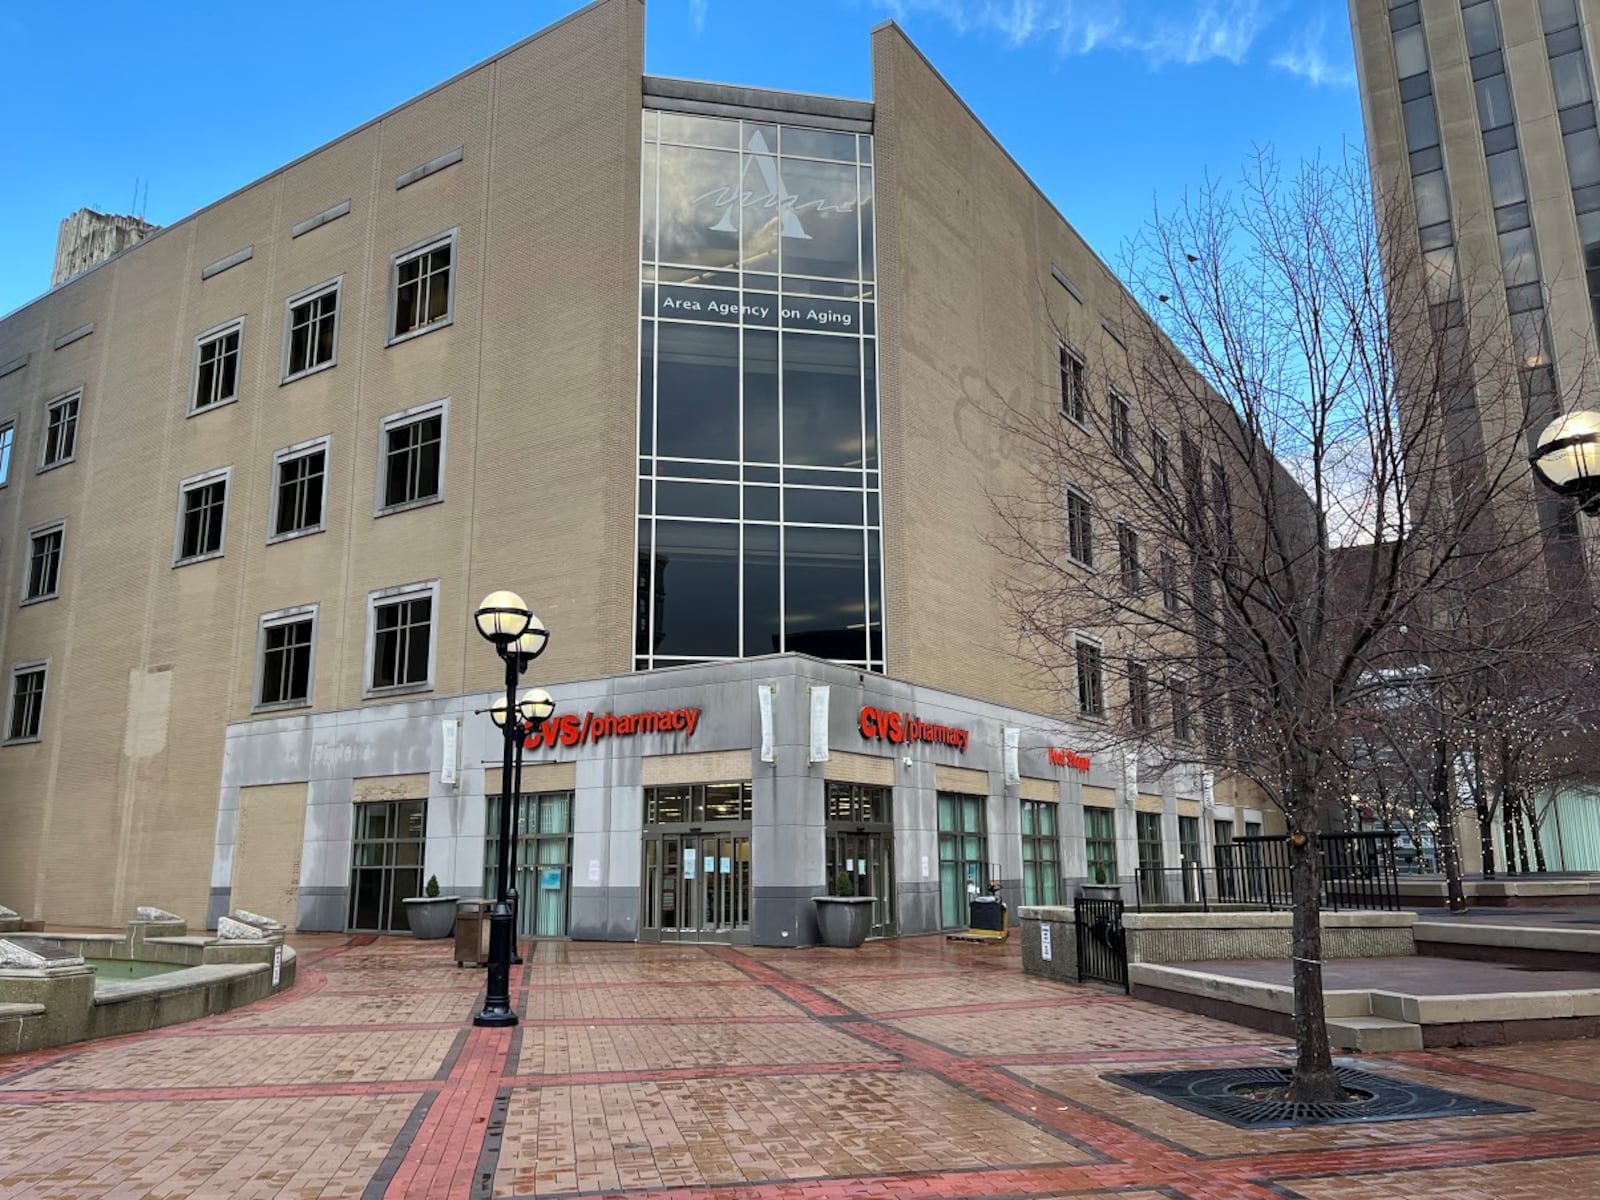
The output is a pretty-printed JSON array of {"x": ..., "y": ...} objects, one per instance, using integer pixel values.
[
  {"x": 1358, "y": 871},
  {"x": 1102, "y": 942}
]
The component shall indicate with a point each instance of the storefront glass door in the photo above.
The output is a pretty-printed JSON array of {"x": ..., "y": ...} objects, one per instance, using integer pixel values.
[
  {"x": 697, "y": 864},
  {"x": 542, "y": 870},
  {"x": 386, "y": 864},
  {"x": 860, "y": 849}
]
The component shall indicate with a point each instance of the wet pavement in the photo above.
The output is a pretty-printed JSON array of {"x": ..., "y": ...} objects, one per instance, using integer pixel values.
[{"x": 913, "y": 1068}]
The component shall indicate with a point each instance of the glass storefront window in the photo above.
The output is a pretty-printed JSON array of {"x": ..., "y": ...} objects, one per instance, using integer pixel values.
[
  {"x": 963, "y": 856},
  {"x": 758, "y": 372},
  {"x": 1100, "y": 844},
  {"x": 1041, "y": 853}
]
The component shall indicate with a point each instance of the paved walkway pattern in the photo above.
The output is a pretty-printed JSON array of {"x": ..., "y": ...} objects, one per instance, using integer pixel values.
[{"x": 902, "y": 1070}]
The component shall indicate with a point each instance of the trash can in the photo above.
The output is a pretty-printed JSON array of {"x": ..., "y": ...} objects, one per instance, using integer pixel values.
[
  {"x": 985, "y": 913},
  {"x": 472, "y": 933}
]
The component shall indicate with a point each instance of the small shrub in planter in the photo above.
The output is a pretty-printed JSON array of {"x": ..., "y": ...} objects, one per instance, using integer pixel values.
[{"x": 431, "y": 915}]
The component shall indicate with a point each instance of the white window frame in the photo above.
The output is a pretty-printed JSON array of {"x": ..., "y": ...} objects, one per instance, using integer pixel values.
[
  {"x": 225, "y": 474},
  {"x": 77, "y": 430},
  {"x": 1079, "y": 642},
  {"x": 288, "y": 453},
  {"x": 1088, "y": 500},
  {"x": 19, "y": 669},
  {"x": 1130, "y": 573},
  {"x": 390, "y": 595},
  {"x": 451, "y": 238},
  {"x": 421, "y": 412},
  {"x": 203, "y": 339},
  {"x": 334, "y": 285},
  {"x": 270, "y": 620},
  {"x": 61, "y": 562},
  {"x": 8, "y": 453},
  {"x": 1119, "y": 431}
]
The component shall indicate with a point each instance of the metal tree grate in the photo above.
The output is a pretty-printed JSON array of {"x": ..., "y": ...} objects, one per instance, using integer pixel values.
[{"x": 1217, "y": 1094}]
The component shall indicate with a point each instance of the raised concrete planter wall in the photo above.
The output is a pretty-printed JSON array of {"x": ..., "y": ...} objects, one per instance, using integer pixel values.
[
  {"x": 1512, "y": 892},
  {"x": 52, "y": 1006},
  {"x": 1201, "y": 937},
  {"x": 1062, "y": 965}
]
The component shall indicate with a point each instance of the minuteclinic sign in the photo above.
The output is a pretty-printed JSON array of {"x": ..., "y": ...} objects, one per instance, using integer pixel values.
[
  {"x": 593, "y": 727},
  {"x": 884, "y": 726}
]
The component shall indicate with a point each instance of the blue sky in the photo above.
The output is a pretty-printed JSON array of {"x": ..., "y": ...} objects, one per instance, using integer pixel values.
[{"x": 1109, "y": 104}]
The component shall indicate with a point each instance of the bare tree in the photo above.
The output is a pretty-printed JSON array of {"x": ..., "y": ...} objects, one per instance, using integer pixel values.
[{"x": 1288, "y": 401}]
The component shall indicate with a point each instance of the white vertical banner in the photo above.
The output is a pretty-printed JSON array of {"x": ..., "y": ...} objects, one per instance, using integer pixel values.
[
  {"x": 764, "y": 694},
  {"x": 1013, "y": 742},
  {"x": 449, "y": 728},
  {"x": 1130, "y": 775},
  {"x": 819, "y": 722},
  {"x": 1208, "y": 789}
]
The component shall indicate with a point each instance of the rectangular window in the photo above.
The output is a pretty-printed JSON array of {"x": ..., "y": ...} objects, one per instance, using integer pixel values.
[
  {"x": 26, "y": 712},
  {"x": 216, "y": 366},
  {"x": 1171, "y": 598},
  {"x": 1178, "y": 690},
  {"x": 61, "y": 430},
  {"x": 400, "y": 634},
  {"x": 421, "y": 283},
  {"x": 1121, "y": 416},
  {"x": 202, "y": 516},
  {"x": 1160, "y": 461},
  {"x": 1189, "y": 839},
  {"x": 8, "y": 435},
  {"x": 45, "y": 546},
  {"x": 1128, "y": 557},
  {"x": 1139, "y": 696},
  {"x": 299, "y": 475},
  {"x": 288, "y": 643},
  {"x": 1091, "y": 680},
  {"x": 1073, "y": 388},
  {"x": 411, "y": 449},
  {"x": 1100, "y": 844},
  {"x": 1080, "y": 528},
  {"x": 963, "y": 855},
  {"x": 311, "y": 335},
  {"x": 1147, "y": 826},
  {"x": 1041, "y": 853}
]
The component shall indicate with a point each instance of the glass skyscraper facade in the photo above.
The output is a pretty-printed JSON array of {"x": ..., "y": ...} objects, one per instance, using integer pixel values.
[{"x": 758, "y": 488}]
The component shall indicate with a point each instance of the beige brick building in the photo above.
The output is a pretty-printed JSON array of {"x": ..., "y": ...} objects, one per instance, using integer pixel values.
[{"x": 260, "y": 468}]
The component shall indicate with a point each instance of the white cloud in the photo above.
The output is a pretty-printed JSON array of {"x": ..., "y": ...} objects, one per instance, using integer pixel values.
[
  {"x": 697, "y": 14},
  {"x": 1189, "y": 32},
  {"x": 1304, "y": 56}
]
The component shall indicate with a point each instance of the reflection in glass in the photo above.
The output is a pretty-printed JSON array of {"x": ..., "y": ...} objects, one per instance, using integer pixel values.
[
  {"x": 760, "y": 396},
  {"x": 825, "y": 610},
  {"x": 821, "y": 400},
  {"x": 697, "y": 390},
  {"x": 762, "y": 619},
  {"x": 821, "y": 230},
  {"x": 699, "y": 207},
  {"x": 697, "y": 589}
]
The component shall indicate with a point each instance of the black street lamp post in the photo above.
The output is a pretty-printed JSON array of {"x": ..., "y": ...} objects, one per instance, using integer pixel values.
[{"x": 518, "y": 637}]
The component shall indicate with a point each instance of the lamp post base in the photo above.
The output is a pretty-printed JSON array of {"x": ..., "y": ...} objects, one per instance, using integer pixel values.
[{"x": 497, "y": 1010}]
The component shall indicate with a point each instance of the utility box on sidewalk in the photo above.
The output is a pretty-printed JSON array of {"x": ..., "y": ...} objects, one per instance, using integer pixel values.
[{"x": 472, "y": 933}]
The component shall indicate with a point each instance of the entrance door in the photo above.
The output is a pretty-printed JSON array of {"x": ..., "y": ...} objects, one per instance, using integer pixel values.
[
  {"x": 697, "y": 864},
  {"x": 697, "y": 887},
  {"x": 386, "y": 863},
  {"x": 860, "y": 849}
]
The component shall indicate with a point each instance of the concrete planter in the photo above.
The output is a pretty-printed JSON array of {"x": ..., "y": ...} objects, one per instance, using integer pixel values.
[
  {"x": 1100, "y": 891},
  {"x": 844, "y": 921},
  {"x": 431, "y": 916}
]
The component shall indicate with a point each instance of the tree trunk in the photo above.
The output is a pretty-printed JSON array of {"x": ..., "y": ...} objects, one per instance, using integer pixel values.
[
  {"x": 1521, "y": 823},
  {"x": 1485, "y": 834},
  {"x": 1508, "y": 823},
  {"x": 1535, "y": 823},
  {"x": 1314, "y": 1079},
  {"x": 1445, "y": 811}
]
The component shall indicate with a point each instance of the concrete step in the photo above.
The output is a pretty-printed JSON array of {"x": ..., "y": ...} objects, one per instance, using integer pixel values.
[{"x": 1374, "y": 1034}]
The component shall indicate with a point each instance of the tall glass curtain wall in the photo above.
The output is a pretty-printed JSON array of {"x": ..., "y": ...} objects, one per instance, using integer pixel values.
[
  {"x": 758, "y": 498},
  {"x": 541, "y": 863}
]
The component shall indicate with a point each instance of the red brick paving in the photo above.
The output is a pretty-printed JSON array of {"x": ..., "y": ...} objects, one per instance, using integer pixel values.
[{"x": 905, "y": 1070}]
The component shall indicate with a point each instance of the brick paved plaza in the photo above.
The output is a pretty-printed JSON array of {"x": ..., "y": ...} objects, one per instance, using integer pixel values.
[{"x": 913, "y": 1068}]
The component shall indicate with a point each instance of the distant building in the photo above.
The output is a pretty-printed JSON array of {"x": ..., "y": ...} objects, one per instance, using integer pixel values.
[{"x": 88, "y": 237}]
